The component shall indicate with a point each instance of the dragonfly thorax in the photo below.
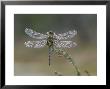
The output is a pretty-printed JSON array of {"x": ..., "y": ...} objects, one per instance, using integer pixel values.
[{"x": 50, "y": 39}]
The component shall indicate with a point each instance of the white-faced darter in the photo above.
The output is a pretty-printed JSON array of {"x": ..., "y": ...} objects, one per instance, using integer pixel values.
[{"x": 51, "y": 39}]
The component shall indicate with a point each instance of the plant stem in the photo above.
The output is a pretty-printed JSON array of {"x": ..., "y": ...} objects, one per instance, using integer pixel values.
[
  {"x": 87, "y": 72},
  {"x": 69, "y": 58}
]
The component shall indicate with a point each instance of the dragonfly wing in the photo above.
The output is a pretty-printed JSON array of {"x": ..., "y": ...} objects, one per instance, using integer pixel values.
[
  {"x": 69, "y": 34},
  {"x": 35, "y": 44},
  {"x": 65, "y": 44},
  {"x": 35, "y": 34}
]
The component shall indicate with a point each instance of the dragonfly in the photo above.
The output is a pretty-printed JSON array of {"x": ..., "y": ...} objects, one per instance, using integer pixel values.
[{"x": 51, "y": 39}]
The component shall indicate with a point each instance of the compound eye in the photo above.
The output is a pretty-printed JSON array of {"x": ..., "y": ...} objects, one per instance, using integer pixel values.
[{"x": 51, "y": 32}]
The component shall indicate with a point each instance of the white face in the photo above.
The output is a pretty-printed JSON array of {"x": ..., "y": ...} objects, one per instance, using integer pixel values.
[{"x": 47, "y": 33}]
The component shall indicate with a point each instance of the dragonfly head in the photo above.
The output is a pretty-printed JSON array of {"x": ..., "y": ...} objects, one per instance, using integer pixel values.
[{"x": 50, "y": 33}]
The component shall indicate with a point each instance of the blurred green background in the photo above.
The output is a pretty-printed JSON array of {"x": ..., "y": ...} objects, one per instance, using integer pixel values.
[{"x": 34, "y": 62}]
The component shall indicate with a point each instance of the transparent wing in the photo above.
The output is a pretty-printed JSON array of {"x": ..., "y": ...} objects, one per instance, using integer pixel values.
[
  {"x": 65, "y": 44},
  {"x": 35, "y": 34},
  {"x": 69, "y": 34},
  {"x": 35, "y": 44}
]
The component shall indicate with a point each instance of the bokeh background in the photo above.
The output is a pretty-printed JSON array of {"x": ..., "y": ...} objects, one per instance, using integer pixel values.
[{"x": 34, "y": 62}]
